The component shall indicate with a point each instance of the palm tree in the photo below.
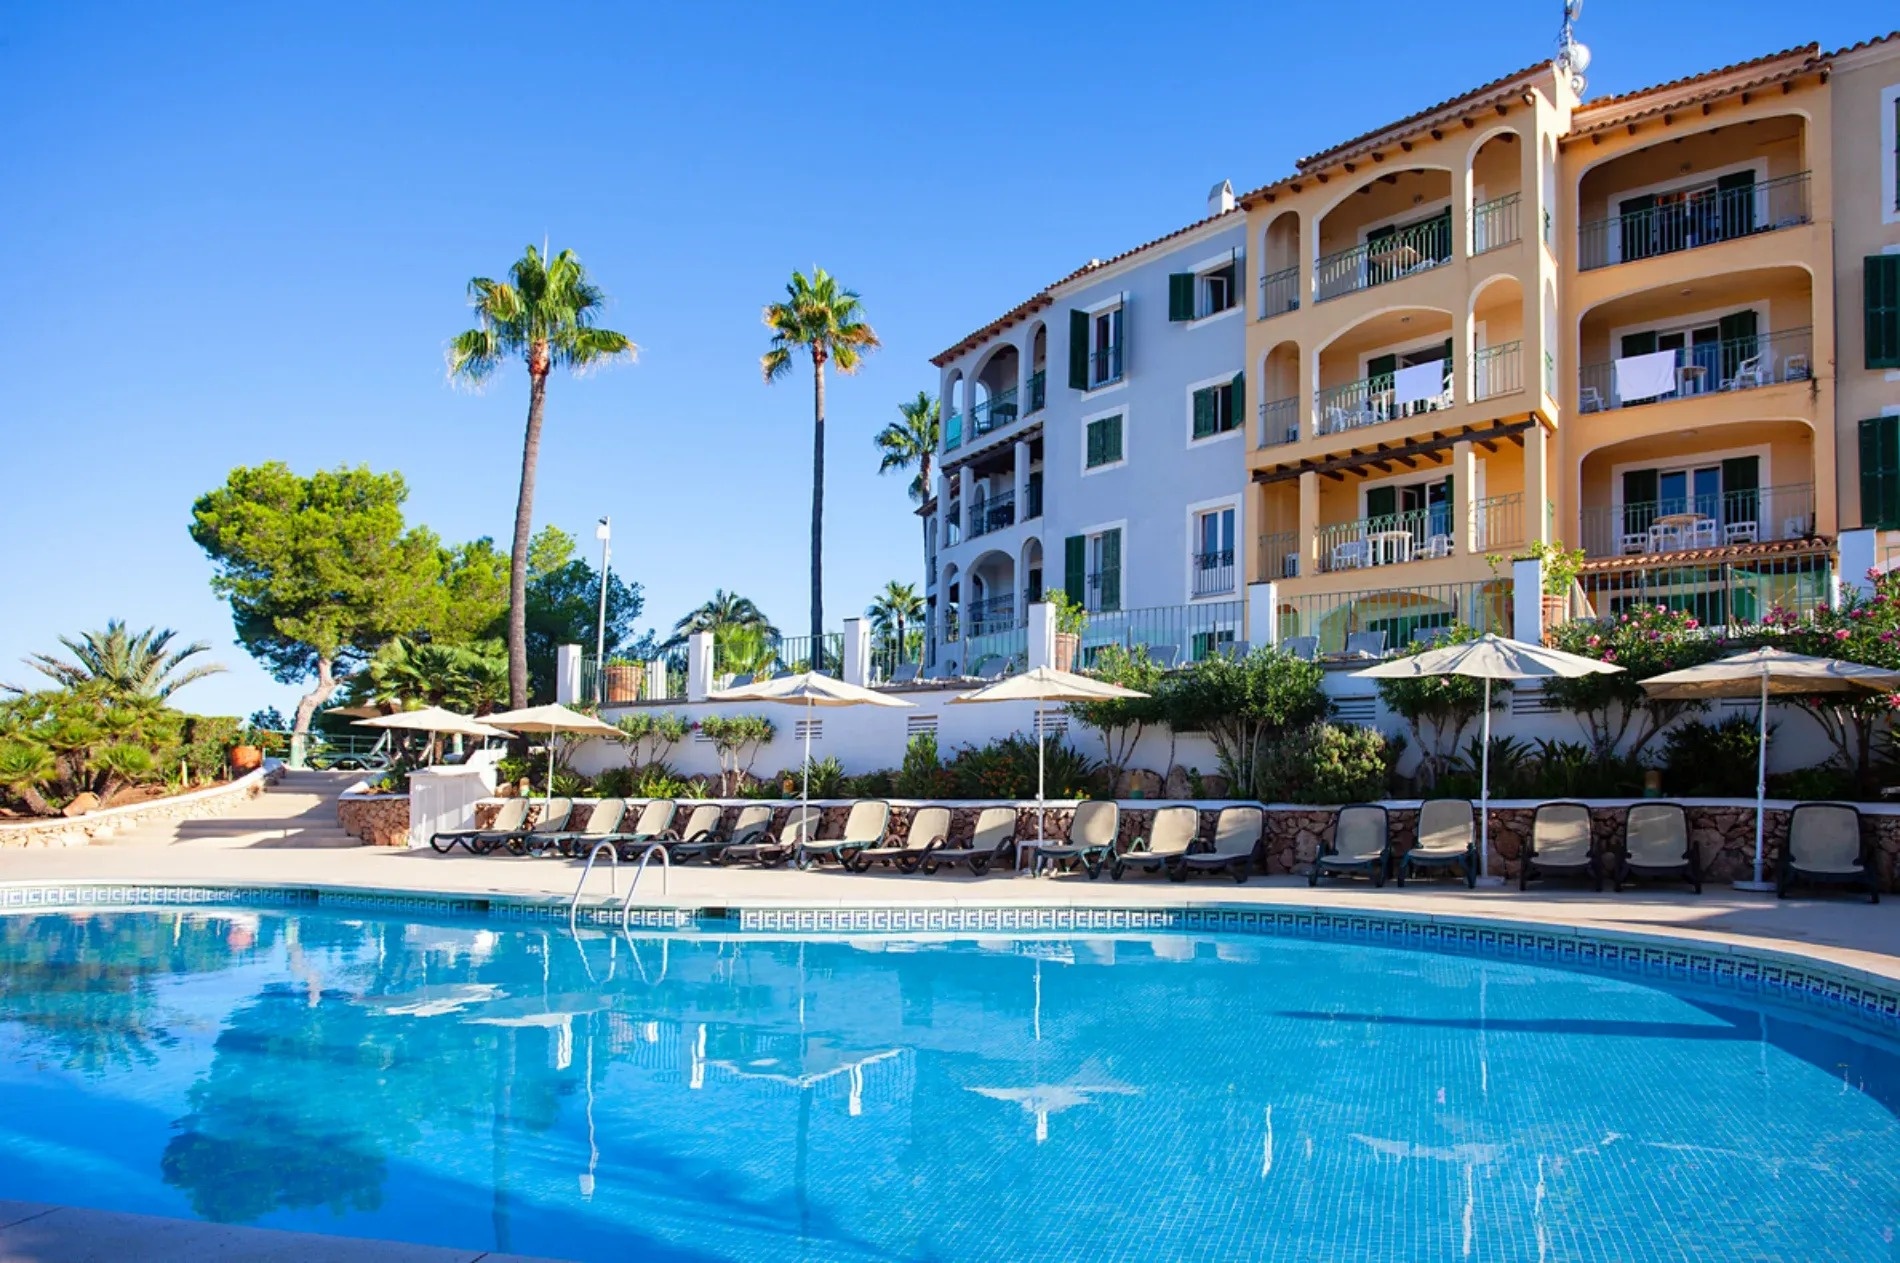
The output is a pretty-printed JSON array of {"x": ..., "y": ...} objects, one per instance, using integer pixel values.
[
  {"x": 127, "y": 664},
  {"x": 826, "y": 321},
  {"x": 912, "y": 442},
  {"x": 546, "y": 315},
  {"x": 897, "y": 605},
  {"x": 726, "y": 609}
]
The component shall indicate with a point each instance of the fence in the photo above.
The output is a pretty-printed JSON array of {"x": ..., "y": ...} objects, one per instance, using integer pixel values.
[
  {"x": 992, "y": 514},
  {"x": 1494, "y": 224},
  {"x": 1497, "y": 370},
  {"x": 1383, "y": 259},
  {"x": 1279, "y": 292},
  {"x": 1744, "y": 363},
  {"x": 1729, "y": 595},
  {"x": 1688, "y": 218},
  {"x": 1371, "y": 400},
  {"x": 1401, "y": 614},
  {"x": 626, "y": 680},
  {"x": 1749, "y": 515},
  {"x": 1191, "y": 631}
]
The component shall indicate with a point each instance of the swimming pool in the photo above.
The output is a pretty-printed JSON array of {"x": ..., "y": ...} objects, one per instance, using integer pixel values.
[{"x": 698, "y": 1096}]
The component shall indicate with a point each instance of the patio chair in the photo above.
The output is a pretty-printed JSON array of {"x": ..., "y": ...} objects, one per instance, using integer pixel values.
[
  {"x": 993, "y": 841},
  {"x": 903, "y": 673},
  {"x": 1305, "y": 648},
  {"x": 1825, "y": 847},
  {"x": 1361, "y": 843},
  {"x": 769, "y": 849},
  {"x": 1704, "y": 533},
  {"x": 1739, "y": 532},
  {"x": 508, "y": 821},
  {"x": 1656, "y": 844},
  {"x": 783, "y": 673},
  {"x": 1164, "y": 846},
  {"x": 752, "y": 826},
  {"x": 651, "y": 829},
  {"x": 1447, "y": 836},
  {"x": 1562, "y": 842},
  {"x": 1590, "y": 399},
  {"x": 1163, "y": 656},
  {"x": 1366, "y": 645},
  {"x": 865, "y": 826},
  {"x": 554, "y": 814},
  {"x": 1634, "y": 543},
  {"x": 602, "y": 823},
  {"x": 1750, "y": 373},
  {"x": 740, "y": 681},
  {"x": 929, "y": 826},
  {"x": 692, "y": 838},
  {"x": 1437, "y": 546},
  {"x": 1237, "y": 833},
  {"x": 1091, "y": 841},
  {"x": 1351, "y": 555}
]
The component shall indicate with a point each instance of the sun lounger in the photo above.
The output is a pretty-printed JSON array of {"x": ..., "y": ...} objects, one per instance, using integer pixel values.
[
  {"x": 864, "y": 827},
  {"x": 903, "y": 673},
  {"x": 753, "y": 825},
  {"x": 602, "y": 823},
  {"x": 1446, "y": 838},
  {"x": 1656, "y": 844},
  {"x": 1562, "y": 842},
  {"x": 508, "y": 821},
  {"x": 1091, "y": 841},
  {"x": 993, "y": 840},
  {"x": 554, "y": 814},
  {"x": 1236, "y": 837},
  {"x": 1361, "y": 844},
  {"x": 1165, "y": 845},
  {"x": 929, "y": 826},
  {"x": 688, "y": 838},
  {"x": 770, "y": 849},
  {"x": 1305, "y": 648},
  {"x": 1825, "y": 848},
  {"x": 651, "y": 829}
]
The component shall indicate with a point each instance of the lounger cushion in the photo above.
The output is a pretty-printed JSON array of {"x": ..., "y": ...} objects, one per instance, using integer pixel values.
[
  {"x": 1560, "y": 836},
  {"x": 1358, "y": 836},
  {"x": 1444, "y": 830},
  {"x": 1657, "y": 836},
  {"x": 1825, "y": 839}
]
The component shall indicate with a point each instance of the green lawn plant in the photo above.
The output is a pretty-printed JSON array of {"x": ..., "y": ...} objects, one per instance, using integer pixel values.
[
  {"x": 1242, "y": 704},
  {"x": 1121, "y": 722}
]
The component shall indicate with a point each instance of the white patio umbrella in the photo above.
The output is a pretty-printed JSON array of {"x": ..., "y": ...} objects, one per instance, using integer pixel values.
[
  {"x": 811, "y": 689},
  {"x": 434, "y": 720},
  {"x": 1764, "y": 673},
  {"x": 1046, "y": 684},
  {"x": 1488, "y": 658},
  {"x": 550, "y": 719}
]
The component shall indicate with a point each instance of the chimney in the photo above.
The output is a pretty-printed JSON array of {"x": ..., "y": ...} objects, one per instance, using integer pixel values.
[{"x": 1220, "y": 198}]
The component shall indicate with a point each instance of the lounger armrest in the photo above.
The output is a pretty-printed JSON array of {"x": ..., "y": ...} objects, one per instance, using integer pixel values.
[{"x": 1139, "y": 844}]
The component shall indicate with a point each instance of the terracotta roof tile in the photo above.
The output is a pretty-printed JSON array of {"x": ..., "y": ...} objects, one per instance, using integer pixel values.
[
  {"x": 1866, "y": 43},
  {"x": 1591, "y": 107},
  {"x": 1815, "y": 546}
]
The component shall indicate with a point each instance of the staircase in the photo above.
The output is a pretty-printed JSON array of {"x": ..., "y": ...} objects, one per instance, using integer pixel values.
[{"x": 298, "y": 810}]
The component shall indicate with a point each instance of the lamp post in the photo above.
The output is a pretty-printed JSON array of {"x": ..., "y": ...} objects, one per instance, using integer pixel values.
[{"x": 603, "y": 531}]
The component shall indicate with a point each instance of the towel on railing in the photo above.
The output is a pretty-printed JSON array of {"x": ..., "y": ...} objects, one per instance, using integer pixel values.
[
  {"x": 1418, "y": 383},
  {"x": 1646, "y": 376}
]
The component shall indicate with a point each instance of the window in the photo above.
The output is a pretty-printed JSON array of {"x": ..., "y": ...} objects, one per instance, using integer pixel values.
[
  {"x": 1702, "y": 504},
  {"x": 1103, "y": 442},
  {"x": 1890, "y": 154},
  {"x": 1880, "y": 283},
  {"x": 1709, "y": 353},
  {"x": 1880, "y": 472},
  {"x": 1421, "y": 509},
  {"x": 1216, "y": 408},
  {"x": 1092, "y": 570},
  {"x": 1211, "y": 568},
  {"x": 1095, "y": 348},
  {"x": 1198, "y": 295}
]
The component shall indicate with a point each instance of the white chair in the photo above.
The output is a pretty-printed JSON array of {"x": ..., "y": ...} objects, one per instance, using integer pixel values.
[
  {"x": 1704, "y": 533},
  {"x": 1290, "y": 566},
  {"x": 1739, "y": 533},
  {"x": 1664, "y": 539},
  {"x": 1750, "y": 373},
  {"x": 1590, "y": 399},
  {"x": 1635, "y": 543},
  {"x": 1350, "y": 555},
  {"x": 1438, "y": 546}
]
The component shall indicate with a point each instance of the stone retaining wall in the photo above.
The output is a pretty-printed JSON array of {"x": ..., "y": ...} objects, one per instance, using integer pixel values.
[
  {"x": 81, "y": 830},
  {"x": 376, "y": 819}
]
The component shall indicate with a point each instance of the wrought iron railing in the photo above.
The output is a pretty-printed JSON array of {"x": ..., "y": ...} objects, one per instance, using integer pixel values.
[
  {"x": 1389, "y": 539},
  {"x": 1213, "y": 573},
  {"x": 794, "y": 653},
  {"x": 1383, "y": 259},
  {"x": 1279, "y": 292},
  {"x": 1369, "y": 401},
  {"x": 1497, "y": 370},
  {"x": 1751, "y": 515},
  {"x": 1105, "y": 366},
  {"x": 1038, "y": 392},
  {"x": 1279, "y": 422},
  {"x": 1497, "y": 522},
  {"x": 1494, "y": 224},
  {"x": 992, "y": 614},
  {"x": 1747, "y": 363},
  {"x": 953, "y": 525},
  {"x": 1729, "y": 595},
  {"x": 1689, "y": 218},
  {"x": 1279, "y": 556},
  {"x": 994, "y": 413},
  {"x": 1402, "y": 615},
  {"x": 993, "y": 514}
]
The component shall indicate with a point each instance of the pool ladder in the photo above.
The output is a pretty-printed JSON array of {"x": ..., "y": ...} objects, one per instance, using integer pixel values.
[{"x": 613, "y": 854}]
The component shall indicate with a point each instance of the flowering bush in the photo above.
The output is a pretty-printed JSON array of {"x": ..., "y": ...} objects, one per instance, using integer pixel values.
[
  {"x": 1438, "y": 708},
  {"x": 1865, "y": 629},
  {"x": 1645, "y": 641}
]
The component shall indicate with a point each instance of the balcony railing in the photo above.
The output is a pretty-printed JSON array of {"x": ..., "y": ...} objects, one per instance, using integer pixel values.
[
  {"x": 1105, "y": 366},
  {"x": 1763, "y": 359},
  {"x": 1038, "y": 392},
  {"x": 1172, "y": 633},
  {"x": 1498, "y": 522},
  {"x": 1396, "y": 538},
  {"x": 992, "y": 514},
  {"x": 1033, "y": 509},
  {"x": 1279, "y": 556},
  {"x": 1752, "y": 515},
  {"x": 953, "y": 432},
  {"x": 953, "y": 525},
  {"x": 1402, "y": 615},
  {"x": 1213, "y": 573},
  {"x": 1497, "y": 370},
  {"x": 1279, "y": 422},
  {"x": 1689, "y": 218},
  {"x": 994, "y": 413},
  {"x": 1494, "y": 224},
  {"x": 1383, "y": 259},
  {"x": 1369, "y": 401},
  {"x": 1731, "y": 595},
  {"x": 993, "y": 614},
  {"x": 1279, "y": 292}
]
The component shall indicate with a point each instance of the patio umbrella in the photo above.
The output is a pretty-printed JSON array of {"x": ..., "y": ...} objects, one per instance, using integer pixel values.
[
  {"x": 549, "y": 719},
  {"x": 1489, "y": 657},
  {"x": 1764, "y": 673},
  {"x": 1046, "y": 684},
  {"x": 433, "y": 720},
  {"x": 811, "y": 689}
]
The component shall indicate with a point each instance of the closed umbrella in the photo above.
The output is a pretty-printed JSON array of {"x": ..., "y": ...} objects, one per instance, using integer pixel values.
[
  {"x": 810, "y": 689},
  {"x": 1765, "y": 673},
  {"x": 1046, "y": 684},
  {"x": 549, "y": 719},
  {"x": 1488, "y": 657}
]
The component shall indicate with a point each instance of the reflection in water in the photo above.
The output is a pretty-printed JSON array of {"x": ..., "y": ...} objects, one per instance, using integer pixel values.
[{"x": 695, "y": 1097}]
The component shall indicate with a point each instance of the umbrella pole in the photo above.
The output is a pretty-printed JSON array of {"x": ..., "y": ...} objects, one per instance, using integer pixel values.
[
  {"x": 805, "y": 793},
  {"x": 1484, "y": 791},
  {"x": 1761, "y": 793},
  {"x": 550, "y": 794}
]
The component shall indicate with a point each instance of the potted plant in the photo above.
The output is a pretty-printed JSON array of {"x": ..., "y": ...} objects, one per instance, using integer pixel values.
[
  {"x": 247, "y": 753},
  {"x": 1071, "y": 619},
  {"x": 625, "y": 679},
  {"x": 1561, "y": 566}
]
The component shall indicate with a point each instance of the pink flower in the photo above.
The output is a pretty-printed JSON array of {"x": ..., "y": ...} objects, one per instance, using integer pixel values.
[
  {"x": 1841, "y": 634},
  {"x": 1692, "y": 624}
]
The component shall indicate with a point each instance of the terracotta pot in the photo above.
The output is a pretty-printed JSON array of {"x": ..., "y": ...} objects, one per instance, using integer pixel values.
[
  {"x": 1067, "y": 646},
  {"x": 625, "y": 681},
  {"x": 246, "y": 759},
  {"x": 1556, "y": 612}
]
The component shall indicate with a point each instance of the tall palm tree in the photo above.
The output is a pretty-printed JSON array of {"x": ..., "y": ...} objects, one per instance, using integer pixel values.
[
  {"x": 544, "y": 313},
  {"x": 127, "y": 664},
  {"x": 912, "y": 441},
  {"x": 725, "y": 610},
  {"x": 897, "y": 605},
  {"x": 826, "y": 321}
]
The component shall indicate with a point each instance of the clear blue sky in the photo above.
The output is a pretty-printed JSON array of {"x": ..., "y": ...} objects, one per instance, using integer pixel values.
[{"x": 242, "y": 232}]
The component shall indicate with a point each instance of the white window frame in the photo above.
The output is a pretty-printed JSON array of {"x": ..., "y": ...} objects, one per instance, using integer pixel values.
[
  {"x": 1430, "y": 344},
  {"x": 1195, "y": 512},
  {"x": 1087, "y": 469},
  {"x": 1688, "y": 321},
  {"x": 1201, "y": 270},
  {"x": 1096, "y": 311},
  {"x": 1412, "y": 477},
  {"x": 1889, "y": 124},
  {"x": 1240, "y": 422}
]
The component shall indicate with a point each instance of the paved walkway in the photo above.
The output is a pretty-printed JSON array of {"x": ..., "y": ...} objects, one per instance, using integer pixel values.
[{"x": 299, "y": 810}]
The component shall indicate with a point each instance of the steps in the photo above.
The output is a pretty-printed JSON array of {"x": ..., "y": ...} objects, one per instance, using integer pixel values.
[{"x": 299, "y": 811}]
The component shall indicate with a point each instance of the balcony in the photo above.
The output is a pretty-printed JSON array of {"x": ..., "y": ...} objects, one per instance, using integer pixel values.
[
  {"x": 1686, "y": 219},
  {"x": 1752, "y": 515},
  {"x": 1497, "y": 370},
  {"x": 953, "y": 432},
  {"x": 953, "y": 525},
  {"x": 1279, "y": 292},
  {"x": 994, "y": 413},
  {"x": 1494, "y": 224},
  {"x": 1213, "y": 573},
  {"x": 1370, "y": 401},
  {"x": 1393, "y": 539},
  {"x": 1383, "y": 259},
  {"x": 1033, "y": 509},
  {"x": 1038, "y": 392},
  {"x": 991, "y": 615},
  {"x": 993, "y": 514},
  {"x": 1749, "y": 363},
  {"x": 1279, "y": 422}
]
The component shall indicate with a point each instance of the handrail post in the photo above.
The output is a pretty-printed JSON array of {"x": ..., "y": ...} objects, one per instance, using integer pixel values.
[
  {"x": 666, "y": 871},
  {"x": 613, "y": 855}
]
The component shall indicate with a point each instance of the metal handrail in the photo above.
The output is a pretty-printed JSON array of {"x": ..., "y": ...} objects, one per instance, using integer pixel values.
[
  {"x": 613, "y": 853},
  {"x": 640, "y": 965},
  {"x": 666, "y": 873}
]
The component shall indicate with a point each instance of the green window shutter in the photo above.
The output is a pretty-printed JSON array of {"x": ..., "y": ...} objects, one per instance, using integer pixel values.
[
  {"x": 1639, "y": 500},
  {"x": 1379, "y": 371},
  {"x": 1741, "y": 487},
  {"x": 1240, "y": 396},
  {"x": 1180, "y": 296},
  {"x": 1636, "y": 226},
  {"x": 1735, "y": 196},
  {"x": 1092, "y": 441},
  {"x": 1078, "y": 350},
  {"x": 1111, "y": 570},
  {"x": 1382, "y": 503},
  {"x": 1738, "y": 340},
  {"x": 1075, "y": 553},
  {"x": 1439, "y": 242},
  {"x": 1639, "y": 343},
  {"x": 1115, "y": 439},
  {"x": 1880, "y": 278},
  {"x": 1204, "y": 409},
  {"x": 1880, "y": 472}
]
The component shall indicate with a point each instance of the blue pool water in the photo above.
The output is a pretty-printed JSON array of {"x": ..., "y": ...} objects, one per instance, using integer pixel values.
[{"x": 699, "y": 1097}]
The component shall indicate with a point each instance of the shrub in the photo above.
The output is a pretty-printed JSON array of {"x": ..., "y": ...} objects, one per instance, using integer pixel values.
[
  {"x": 1865, "y": 629},
  {"x": 1571, "y": 769},
  {"x": 1242, "y": 705},
  {"x": 650, "y": 735},
  {"x": 1438, "y": 708},
  {"x": 922, "y": 775},
  {"x": 1120, "y": 722},
  {"x": 1324, "y": 763},
  {"x": 1712, "y": 760},
  {"x": 824, "y": 776},
  {"x": 878, "y": 784},
  {"x": 615, "y": 782},
  {"x": 737, "y": 738},
  {"x": 1645, "y": 642},
  {"x": 569, "y": 784},
  {"x": 1006, "y": 768}
]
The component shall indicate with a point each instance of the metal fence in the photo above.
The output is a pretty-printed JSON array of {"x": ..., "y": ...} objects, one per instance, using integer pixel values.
[
  {"x": 1191, "y": 632},
  {"x": 1494, "y": 224},
  {"x": 1279, "y": 422},
  {"x": 1745, "y": 363},
  {"x": 1750, "y": 515},
  {"x": 992, "y": 514},
  {"x": 1279, "y": 292},
  {"x": 1728, "y": 595},
  {"x": 1401, "y": 614},
  {"x": 1383, "y": 259},
  {"x": 1497, "y": 370},
  {"x": 625, "y": 680},
  {"x": 1689, "y": 218}
]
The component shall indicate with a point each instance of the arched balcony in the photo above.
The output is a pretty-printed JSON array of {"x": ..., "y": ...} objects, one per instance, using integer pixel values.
[
  {"x": 955, "y": 391},
  {"x": 994, "y": 397},
  {"x": 1037, "y": 386},
  {"x": 1393, "y": 365},
  {"x": 1391, "y": 227},
  {"x": 1279, "y": 396},
  {"x": 1496, "y": 179},
  {"x": 1280, "y": 274}
]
